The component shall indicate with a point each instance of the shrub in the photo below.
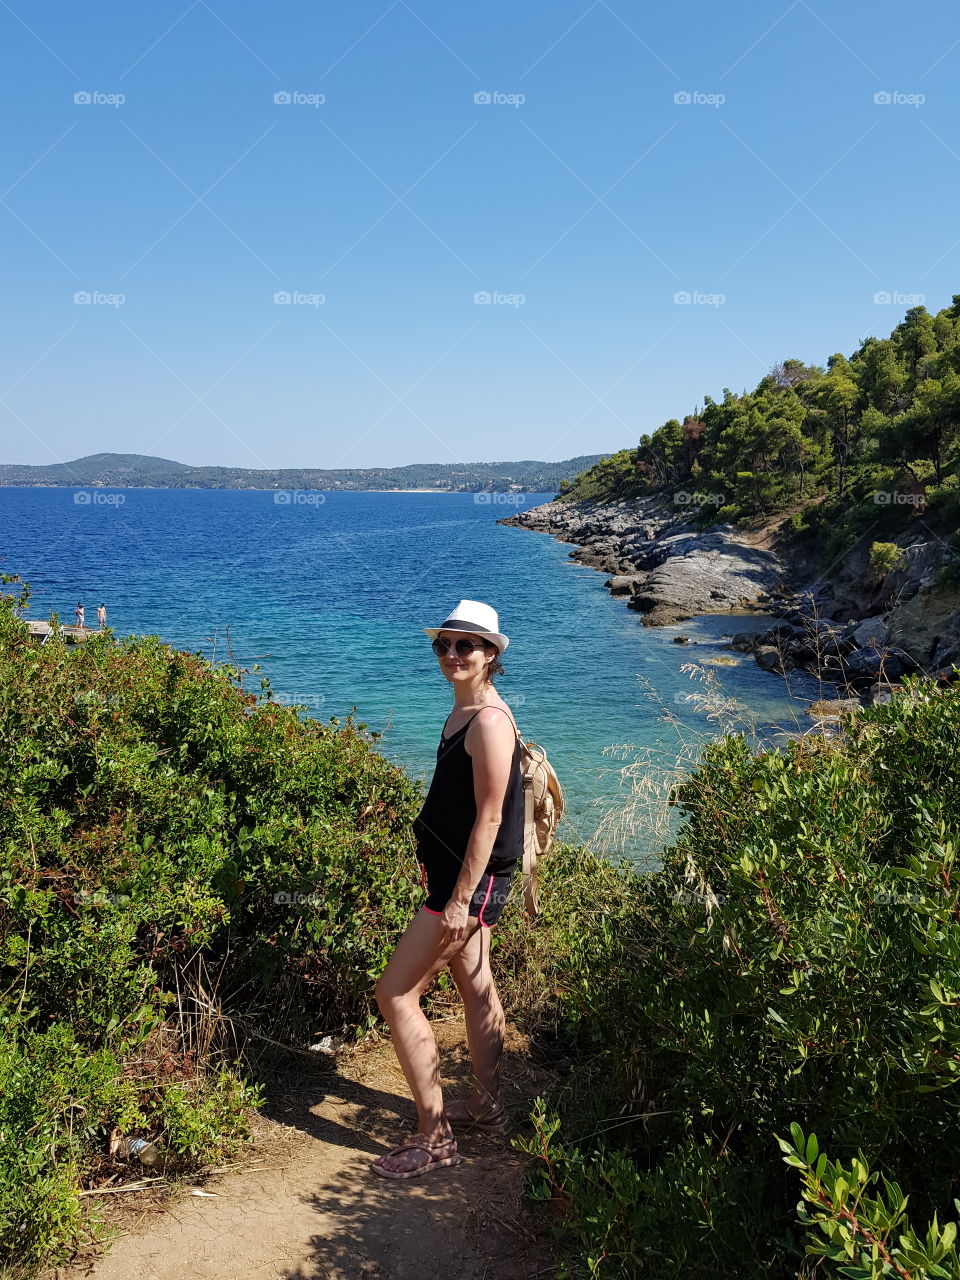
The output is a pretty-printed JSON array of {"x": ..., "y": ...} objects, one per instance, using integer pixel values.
[
  {"x": 885, "y": 557},
  {"x": 183, "y": 865},
  {"x": 795, "y": 960},
  {"x": 870, "y": 1237},
  {"x": 56, "y": 1101}
]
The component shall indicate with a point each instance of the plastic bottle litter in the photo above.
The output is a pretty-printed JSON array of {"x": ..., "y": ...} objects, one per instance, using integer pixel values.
[{"x": 148, "y": 1153}]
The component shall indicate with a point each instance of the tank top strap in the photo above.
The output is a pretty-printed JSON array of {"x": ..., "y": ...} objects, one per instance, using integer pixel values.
[{"x": 466, "y": 726}]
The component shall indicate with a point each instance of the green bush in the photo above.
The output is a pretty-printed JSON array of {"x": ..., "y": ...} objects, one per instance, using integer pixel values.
[
  {"x": 795, "y": 960},
  {"x": 943, "y": 503},
  {"x": 183, "y": 866},
  {"x": 57, "y": 1099},
  {"x": 862, "y": 1237},
  {"x": 885, "y": 557}
]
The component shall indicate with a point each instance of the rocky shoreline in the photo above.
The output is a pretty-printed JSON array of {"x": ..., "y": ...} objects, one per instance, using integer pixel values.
[{"x": 854, "y": 632}]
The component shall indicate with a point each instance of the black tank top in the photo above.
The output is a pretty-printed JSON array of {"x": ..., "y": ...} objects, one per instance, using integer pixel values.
[{"x": 446, "y": 820}]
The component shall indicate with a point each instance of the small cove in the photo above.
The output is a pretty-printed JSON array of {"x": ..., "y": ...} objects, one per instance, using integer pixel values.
[{"x": 329, "y": 597}]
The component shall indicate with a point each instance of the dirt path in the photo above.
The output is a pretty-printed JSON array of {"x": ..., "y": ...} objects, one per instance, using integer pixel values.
[{"x": 302, "y": 1204}]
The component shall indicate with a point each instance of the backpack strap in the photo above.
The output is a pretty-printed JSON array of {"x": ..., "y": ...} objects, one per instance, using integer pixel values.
[
  {"x": 531, "y": 904},
  {"x": 529, "y": 870}
]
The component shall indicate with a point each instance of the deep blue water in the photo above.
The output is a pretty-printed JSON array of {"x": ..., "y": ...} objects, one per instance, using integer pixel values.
[{"x": 328, "y": 593}]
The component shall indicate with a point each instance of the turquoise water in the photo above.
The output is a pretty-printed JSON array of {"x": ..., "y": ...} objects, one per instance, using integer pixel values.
[{"x": 328, "y": 594}]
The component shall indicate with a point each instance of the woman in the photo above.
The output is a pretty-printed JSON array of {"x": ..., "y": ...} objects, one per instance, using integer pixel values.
[{"x": 469, "y": 838}]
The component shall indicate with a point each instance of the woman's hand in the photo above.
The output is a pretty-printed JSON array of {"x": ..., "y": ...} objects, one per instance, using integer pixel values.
[{"x": 454, "y": 922}]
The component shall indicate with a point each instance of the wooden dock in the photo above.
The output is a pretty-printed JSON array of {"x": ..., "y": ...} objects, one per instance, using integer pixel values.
[{"x": 41, "y": 631}]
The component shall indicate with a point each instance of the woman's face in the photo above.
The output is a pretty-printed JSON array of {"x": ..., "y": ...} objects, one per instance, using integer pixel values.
[{"x": 459, "y": 667}]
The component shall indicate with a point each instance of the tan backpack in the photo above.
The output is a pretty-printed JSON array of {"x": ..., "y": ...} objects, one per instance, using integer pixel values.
[{"x": 542, "y": 811}]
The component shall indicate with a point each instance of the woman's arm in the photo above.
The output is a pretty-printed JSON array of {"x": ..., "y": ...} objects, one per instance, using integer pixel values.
[{"x": 490, "y": 744}]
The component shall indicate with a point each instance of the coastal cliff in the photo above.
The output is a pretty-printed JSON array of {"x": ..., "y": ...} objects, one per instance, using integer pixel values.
[
  {"x": 666, "y": 568},
  {"x": 862, "y": 628}
]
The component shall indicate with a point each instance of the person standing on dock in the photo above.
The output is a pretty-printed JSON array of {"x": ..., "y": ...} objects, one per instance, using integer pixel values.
[
  {"x": 79, "y": 613},
  {"x": 101, "y": 616}
]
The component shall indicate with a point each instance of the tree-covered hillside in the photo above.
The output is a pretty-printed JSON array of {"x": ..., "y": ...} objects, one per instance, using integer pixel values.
[
  {"x": 880, "y": 429},
  {"x": 133, "y": 470}
]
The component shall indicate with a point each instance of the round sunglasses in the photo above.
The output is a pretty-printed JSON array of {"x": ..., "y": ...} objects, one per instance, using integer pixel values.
[{"x": 463, "y": 647}]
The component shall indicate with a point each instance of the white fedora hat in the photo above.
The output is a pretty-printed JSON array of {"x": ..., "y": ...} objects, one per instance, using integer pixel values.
[{"x": 473, "y": 618}]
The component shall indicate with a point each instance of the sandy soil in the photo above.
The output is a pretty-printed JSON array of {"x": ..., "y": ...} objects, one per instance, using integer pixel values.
[{"x": 301, "y": 1204}]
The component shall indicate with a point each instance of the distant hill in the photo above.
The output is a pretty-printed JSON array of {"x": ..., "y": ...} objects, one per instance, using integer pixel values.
[{"x": 138, "y": 471}]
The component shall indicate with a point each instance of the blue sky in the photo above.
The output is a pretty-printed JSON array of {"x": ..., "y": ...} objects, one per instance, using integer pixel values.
[{"x": 581, "y": 198}]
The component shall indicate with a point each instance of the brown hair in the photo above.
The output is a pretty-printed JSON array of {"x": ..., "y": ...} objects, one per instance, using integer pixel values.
[{"x": 494, "y": 668}]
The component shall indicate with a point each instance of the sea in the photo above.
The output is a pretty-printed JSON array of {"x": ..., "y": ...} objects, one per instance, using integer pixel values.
[{"x": 326, "y": 595}]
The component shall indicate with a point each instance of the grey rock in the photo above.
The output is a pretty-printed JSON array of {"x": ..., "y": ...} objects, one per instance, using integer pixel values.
[
  {"x": 804, "y": 656},
  {"x": 623, "y": 584},
  {"x": 946, "y": 657},
  {"x": 680, "y": 571},
  {"x": 786, "y": 631},
  {"x": 770, "y": 658},
  {"x": 871, "y": 633},
  {"x": 865, "y": 662},
  {"x": 744, "y": 640},
  {"x": 849, "y": 629}
]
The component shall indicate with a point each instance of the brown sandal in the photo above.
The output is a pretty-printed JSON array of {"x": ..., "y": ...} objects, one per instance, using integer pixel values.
[
  {"x": 419, "y": 1142},
  {"x": 495, "y": 1121}
]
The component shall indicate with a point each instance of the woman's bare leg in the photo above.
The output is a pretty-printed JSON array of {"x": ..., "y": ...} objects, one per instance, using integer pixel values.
[
  {"x": 483, "y": 1012},
  {"x": 417, "y": 960}
]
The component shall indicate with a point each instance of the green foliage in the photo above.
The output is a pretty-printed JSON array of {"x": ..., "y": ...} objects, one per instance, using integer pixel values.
[
  {"x": 179, "y": 859},
  {"x": 795, "y": 960},
  {"x": 870, "y": 1236},
  {"x": 135, "y": 470},
  {"x": 797, "y": 522},
  {"x": 205, "y": 1119},
  {"x": 885, "y": 557},
  {"x": 57, "y": 1099},
  {"x": 610, "y": 478},
  {"x": 829, "y": 439},
  {"x": 948, "y": 575},
  {"x": 943, "y": 504}
]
